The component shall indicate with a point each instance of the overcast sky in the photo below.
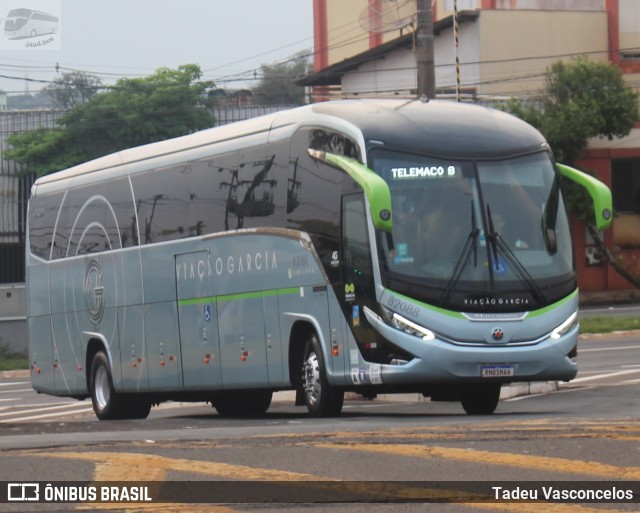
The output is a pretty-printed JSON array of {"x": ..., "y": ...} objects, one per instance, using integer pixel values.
[{"x": 115, "y": 38}]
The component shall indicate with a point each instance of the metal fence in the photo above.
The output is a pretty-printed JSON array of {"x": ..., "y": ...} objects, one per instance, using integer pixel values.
[
  {"x": 14, "y": 194},
  {"x": 230, "y": 113},
  {"x": 15, "y": 187},
  {"x": 17, "y": 121}
]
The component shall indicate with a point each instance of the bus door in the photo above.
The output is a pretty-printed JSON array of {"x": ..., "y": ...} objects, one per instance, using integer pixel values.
[
  {"x": 359, "y": 289},
  {"x": 275, "y": 362},
  {"x": 198, "y": 320}
]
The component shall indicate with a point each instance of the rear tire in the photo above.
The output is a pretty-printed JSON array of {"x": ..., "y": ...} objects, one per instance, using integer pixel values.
[
  {"x": 107, "y": 403},
  {"x": 480, "y": 398},
  {"x": 322, "y": 399},
  {"x": 242, "y": 403}
]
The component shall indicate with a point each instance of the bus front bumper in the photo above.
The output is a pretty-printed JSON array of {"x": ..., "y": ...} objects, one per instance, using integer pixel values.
[{"x": 439, "y": 361}]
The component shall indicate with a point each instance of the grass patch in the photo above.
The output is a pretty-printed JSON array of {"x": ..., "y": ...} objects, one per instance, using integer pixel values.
[
  {"x": 608, "y": 324},
  {"x": 12, "y": 361}
]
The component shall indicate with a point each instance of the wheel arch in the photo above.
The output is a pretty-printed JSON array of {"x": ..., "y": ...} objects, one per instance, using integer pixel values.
[{"x": 95, "y": 343}]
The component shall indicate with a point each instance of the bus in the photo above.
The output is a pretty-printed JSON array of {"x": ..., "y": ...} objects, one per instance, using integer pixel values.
[
  {"x": 367, "y": 246},
  {"x": 27, "y": 23}
]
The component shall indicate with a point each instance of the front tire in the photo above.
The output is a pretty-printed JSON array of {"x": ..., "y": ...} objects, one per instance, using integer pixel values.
[
  {"x": 480, "y": 398},
  {"x": 321, "y": 398}
]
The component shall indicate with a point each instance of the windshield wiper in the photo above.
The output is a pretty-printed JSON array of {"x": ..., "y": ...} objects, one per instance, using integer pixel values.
[
  {"x": 463, "y": 259},
  {"x": 498, "y": 243},
  {"x": 492, "y": 239}
]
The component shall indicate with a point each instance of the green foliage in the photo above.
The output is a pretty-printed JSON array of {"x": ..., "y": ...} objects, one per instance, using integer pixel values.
[
  {"x": 587, "y": 99},
  {"x": 73, "y": 89},
  {"x": 167, "y": 104},
  {"x": 277, "y": 85},
  {"x": 583, "y": 99},
  {"x": 10, "y": 361}
]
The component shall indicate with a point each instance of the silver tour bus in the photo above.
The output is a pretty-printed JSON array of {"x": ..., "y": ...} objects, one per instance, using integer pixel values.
[{"x": 366, "y": 246}]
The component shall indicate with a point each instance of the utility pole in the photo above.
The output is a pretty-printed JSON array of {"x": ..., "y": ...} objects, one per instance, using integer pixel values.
[{"x": 424, "y": 50}]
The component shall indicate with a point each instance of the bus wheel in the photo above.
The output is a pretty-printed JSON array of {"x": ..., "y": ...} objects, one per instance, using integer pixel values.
[
  {"x": 321, "y": 398},
  {"x": 137, "y": 408},
  {"x": 107, "y": 403},
  {"x": 242, "y": 403},
  {"x": 480, "y": 398}
]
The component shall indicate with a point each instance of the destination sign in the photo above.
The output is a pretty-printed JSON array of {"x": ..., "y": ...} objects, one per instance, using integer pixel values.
[{"x": 400, "y": 173}]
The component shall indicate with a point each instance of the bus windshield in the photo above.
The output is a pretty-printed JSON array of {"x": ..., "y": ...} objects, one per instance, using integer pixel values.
[
  {"x": 476, "y": 235},
  {"x": 16, "y": 19}
]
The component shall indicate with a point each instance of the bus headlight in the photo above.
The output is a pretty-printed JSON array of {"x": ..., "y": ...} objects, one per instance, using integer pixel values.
[
  {"x": 403, "y": 324},
  {"x": 566, "y": 326}
]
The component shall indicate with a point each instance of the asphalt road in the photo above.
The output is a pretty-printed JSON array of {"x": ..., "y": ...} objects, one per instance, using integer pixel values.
[{"x": 586, "y": 434}]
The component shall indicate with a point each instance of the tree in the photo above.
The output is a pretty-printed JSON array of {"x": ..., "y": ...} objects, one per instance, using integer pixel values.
[
  {"x": 583, "y": 99},
  {"x": 277, "y": 85},
  {"x": 73, "y": 89},
  {"x": 133, "y": 112}
]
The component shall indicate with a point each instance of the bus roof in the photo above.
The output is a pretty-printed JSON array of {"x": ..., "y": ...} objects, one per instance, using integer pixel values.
[{"x": 438, "y": 127}]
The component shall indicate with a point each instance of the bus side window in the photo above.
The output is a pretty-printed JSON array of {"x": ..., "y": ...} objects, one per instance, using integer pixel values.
[
  {"x": 313, "y": 201},
  {"x": 162, "y": 203},
  {"x": 43, "y": 211}
]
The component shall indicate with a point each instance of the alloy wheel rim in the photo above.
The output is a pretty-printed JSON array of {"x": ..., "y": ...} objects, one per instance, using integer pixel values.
[
  {"x": 311, "y": 379},
  {"x": 102, "y": 391}
]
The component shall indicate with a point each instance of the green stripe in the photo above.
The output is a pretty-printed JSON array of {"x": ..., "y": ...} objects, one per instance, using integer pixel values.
[
  {"x": 458, "y": 315},
  {"x": 236, "y": 297},
  {"x": 546, "y": 309}
]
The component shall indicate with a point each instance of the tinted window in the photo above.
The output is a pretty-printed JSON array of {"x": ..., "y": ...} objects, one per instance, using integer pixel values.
[
  {"x": 223, "y": 192},
  {"x": 162, "y": 201},
  {"x": 253, "y": 190},
  {"x": 99, "y": 217},
  {"x": 314, "y": 190},
  {"x": 208, "y": 194},
  {"x": 43, "y": 211},
  {"x": 625, "y": 185}
]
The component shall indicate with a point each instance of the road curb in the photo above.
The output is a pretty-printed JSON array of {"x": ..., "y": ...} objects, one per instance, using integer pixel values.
[{"x": 15, "y": 374}]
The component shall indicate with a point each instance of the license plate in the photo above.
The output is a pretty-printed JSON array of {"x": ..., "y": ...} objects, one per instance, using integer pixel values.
[{"x": 497, "y": 371}]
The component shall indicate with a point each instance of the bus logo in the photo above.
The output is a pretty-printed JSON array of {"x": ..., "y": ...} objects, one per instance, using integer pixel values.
[
  {"x": 94, "y": 291},
  {"x": 498, "y": 334},
  {"x": 349, "y": 292}
]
